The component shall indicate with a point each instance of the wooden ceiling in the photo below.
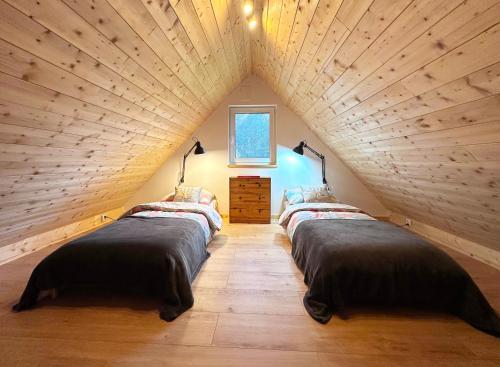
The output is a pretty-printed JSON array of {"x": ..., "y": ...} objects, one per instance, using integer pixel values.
[
  {"x": 407, "y": 94},
  {"x": 95, "y": 95}
]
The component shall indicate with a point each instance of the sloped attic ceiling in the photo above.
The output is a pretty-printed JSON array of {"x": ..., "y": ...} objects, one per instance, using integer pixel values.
[
  {"x": 95, "y": 95},
  {"x": 407, "y": 94}
]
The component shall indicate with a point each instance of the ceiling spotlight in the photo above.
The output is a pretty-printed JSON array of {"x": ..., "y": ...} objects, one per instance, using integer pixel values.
[
  {"x": 248, "y": 8},
  {"x": 252, "y": 23}
]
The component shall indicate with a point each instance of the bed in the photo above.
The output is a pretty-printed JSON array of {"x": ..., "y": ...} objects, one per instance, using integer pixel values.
[
  {"x": 155, "y": 248},
  {"x": 350, "y": 259}
]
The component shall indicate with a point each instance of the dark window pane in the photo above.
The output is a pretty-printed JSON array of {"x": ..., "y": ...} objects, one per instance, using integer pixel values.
[{"x": 252, "y": 135}]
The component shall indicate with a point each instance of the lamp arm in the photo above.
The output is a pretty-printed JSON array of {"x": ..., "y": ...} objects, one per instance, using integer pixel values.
[
  {"x": 319, "y": 155},
  {"x": 323, "y": 169},
  {"x": 184, "y": 162},
  {"x": 323, "y": 164}
]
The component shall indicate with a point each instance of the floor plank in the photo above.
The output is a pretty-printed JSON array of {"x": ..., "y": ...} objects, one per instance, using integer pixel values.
[
  {"x": 336, "y": 360},
  {"x": 364, "y": 334},
  {"x": 248, "y": 301},
  {"x": 108, "y": 324},
  {"x": 211, "y": 279},
  {"x": 49, "y": 352},
  {"x": 265, "y": 281},
  {"x": 281, "y": 266}
]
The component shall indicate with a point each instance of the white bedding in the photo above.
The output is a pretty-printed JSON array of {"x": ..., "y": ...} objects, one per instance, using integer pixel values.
[
  {"x": 209, "y": 219},
  {"x": 297, "y": 213}
]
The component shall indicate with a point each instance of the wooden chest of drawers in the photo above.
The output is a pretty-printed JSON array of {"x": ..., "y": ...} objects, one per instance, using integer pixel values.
[{"x": 249, "y": 200}]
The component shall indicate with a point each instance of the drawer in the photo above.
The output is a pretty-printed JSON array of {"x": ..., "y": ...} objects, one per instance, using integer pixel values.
[
  {"x": 249, "y": 215},
  {"x": 250, "y": 196},
  {"x": 233, "y": 204},
  {"x": 249, "y": 184}
]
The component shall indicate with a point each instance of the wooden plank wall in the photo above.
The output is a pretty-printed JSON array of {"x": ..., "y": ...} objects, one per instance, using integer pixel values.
[
  {"x": 406, "y": 92},
  {"x": 95, "y": 95},
  {"x": 439, "y": 237},
  {"x": 62, "y": 234}
]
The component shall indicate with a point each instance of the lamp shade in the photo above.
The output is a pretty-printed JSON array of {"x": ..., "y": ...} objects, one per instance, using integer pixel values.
[
  {"x": 199, "y": 149},
  {"x": 299, "y": 149}
]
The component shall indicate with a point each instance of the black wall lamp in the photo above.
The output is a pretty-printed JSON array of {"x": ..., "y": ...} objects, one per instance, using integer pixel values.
[
  {"x": 198, "y": 149},
  {"x": 299, "y": 149}
]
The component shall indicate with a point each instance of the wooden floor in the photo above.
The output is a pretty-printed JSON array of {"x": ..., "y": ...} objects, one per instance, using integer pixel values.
[{"x": 248, "y": 312}]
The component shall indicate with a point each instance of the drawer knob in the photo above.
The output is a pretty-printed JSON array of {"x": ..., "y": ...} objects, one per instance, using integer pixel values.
[{"x": 240, "y": 197}]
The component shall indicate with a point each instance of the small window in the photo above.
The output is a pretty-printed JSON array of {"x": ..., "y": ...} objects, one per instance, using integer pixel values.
[{"x": 252, "y": 135}]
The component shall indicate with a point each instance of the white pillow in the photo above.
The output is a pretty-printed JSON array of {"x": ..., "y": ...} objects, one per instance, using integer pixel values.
[{"x": 187, "y": 194}]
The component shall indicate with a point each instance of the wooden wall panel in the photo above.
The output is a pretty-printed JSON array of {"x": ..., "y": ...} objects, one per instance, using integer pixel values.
[
  {"x": 95, "y": 95},
  {"x": 408, "y": 94}
]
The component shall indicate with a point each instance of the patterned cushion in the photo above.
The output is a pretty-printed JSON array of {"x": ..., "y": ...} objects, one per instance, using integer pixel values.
[
  {"x": 206, "y": 197},
  {"x": 321, "y": 199},
  {"x": 187, "y": 194},
  {"x": 318, "y": 194},
  {"x": 294, "y": 196}
]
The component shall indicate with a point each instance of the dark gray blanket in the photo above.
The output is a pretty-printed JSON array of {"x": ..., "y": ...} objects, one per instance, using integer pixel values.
[
  {"x": 156, "y": 256},
  {"x": 365, "y": 262}
]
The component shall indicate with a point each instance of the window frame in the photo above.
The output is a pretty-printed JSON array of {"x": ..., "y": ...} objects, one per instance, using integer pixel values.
[{"x": 252, "y": 162}]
